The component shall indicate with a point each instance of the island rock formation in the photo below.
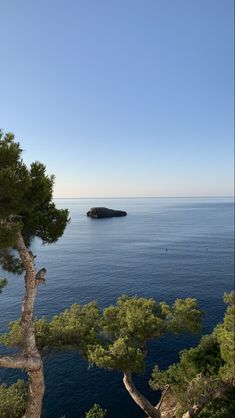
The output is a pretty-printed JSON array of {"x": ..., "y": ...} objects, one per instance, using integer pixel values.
[{"x": 105, "y": 213}]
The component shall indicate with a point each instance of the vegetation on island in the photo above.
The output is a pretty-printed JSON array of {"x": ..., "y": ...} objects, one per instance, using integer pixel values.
[{"x": 115, "y": 338}]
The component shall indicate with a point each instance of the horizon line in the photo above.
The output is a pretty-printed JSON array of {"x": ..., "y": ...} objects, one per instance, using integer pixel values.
[{"x": 146, "y": 197}]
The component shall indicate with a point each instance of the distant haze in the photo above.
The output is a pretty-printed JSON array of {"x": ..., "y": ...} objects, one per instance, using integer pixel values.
[{"x": 122, "y": 97}]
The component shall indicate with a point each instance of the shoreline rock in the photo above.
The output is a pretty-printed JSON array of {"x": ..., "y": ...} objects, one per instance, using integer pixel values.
[{"x": 100, "y": 212}]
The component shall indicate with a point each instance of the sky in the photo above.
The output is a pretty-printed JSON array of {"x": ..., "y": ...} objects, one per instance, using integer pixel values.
[{"x": 121, "y": 97}]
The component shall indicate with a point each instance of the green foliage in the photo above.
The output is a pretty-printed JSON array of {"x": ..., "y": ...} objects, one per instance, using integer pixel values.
[
  {"x": 220, "y": 408},
  {"x": 223, "y": 407},
  {"x": 118, "y": 356},
  {"x": 203, "y": 368},
  {"x": 125, "y": 329},
  {"x": 96, "y": 412},
  {"x": 10, "y": 262},
  {"x": 225, "y": 334},
  {"x": 8, "y": 231},
  {"x": 13, "y": 400},
  {"x": 25, "y": 200},
  {"x": 184, "y": 316},
  {"x": 197, "y": 367},
  {"x": 14, "y": 177},
  {"x": 3, "y": 283},
  {"x": 75, "y": 327},
  {"x": 134, "y": 317},
  {"x": 116, "y": 339},
  {"x": 13, "y": 337}
]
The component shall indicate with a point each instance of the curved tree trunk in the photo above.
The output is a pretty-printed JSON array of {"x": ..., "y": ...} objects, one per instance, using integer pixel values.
[
  {"x": 30, "y": 351},
  {"x": 143, "y": 403}
]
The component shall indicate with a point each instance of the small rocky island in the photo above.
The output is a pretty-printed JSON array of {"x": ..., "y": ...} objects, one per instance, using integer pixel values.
[{"x": 105, "y": 213}]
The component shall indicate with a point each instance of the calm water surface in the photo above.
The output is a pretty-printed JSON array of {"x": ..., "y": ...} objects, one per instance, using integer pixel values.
[{"x": 103, "y": 259}]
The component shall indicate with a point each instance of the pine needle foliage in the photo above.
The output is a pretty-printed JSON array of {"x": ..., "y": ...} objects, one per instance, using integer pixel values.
[
  {"x": 96, "y": 412},
  {"x": 115, "y": 338},
  {"x": 126, "y": 328},
  {"x": 74, "y": 328},
  {"x": 26, "y": 204},
  {"x": 13, "y": 400},
  {"x": 204, "y": 368}
]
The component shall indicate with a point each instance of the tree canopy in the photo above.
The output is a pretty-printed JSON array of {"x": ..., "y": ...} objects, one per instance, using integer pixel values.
[
  {"x": 125, "y": 329},
  {"x": 116, "y": 339},
  {"x": 26, "y": 204},
  {"x": 73, "y": 328},
  {"x": 205, "y": 370}
]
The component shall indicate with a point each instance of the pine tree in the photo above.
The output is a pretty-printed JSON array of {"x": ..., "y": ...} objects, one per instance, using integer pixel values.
[
  {"x": 115, "y": 339},
  {"x": 26, "y": 211},
  {"x": 126, "y": 328},
  {"x": 203, "y": 381}
]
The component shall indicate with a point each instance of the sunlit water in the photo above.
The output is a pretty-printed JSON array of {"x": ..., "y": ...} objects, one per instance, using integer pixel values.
[{"x": 103, "y": 259}]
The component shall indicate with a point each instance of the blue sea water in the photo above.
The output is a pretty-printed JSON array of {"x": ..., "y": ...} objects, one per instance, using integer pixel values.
[{"x": 103, "y": 259}]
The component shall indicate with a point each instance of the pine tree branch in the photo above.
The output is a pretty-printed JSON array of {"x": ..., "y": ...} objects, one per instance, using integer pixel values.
[
  {"x": 205, "y": 400},
  {"x": 20, "y": 362},
  {"x": 164, "y": 393}
]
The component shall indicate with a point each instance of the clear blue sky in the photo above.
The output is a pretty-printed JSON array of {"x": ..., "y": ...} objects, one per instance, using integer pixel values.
[{"x": 121, "y": 97}]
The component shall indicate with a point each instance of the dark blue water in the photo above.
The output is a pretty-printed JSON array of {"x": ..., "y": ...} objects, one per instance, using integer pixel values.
[{"x": 103, "y": 259}]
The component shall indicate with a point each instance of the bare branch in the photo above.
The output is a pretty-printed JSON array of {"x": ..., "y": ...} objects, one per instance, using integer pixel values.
[
  {"x": 20, "y": 362},
  {"x": 167, "y": 387}
]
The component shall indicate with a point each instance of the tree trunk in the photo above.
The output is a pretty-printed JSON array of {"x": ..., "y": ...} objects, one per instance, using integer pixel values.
[
  {"x": 35, "y": 395},
  {"x": 36, "y": 377},
  {"x": 205, "y": 400},
  {"x": 143, "y": 403}
]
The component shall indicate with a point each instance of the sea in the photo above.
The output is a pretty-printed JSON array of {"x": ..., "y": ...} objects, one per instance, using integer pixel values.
[{"x": 165, "y": 248}]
